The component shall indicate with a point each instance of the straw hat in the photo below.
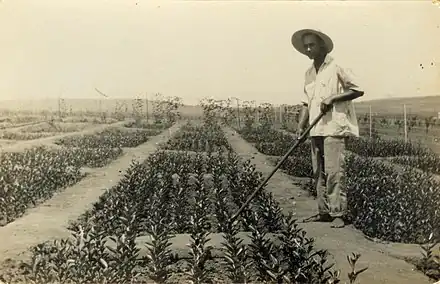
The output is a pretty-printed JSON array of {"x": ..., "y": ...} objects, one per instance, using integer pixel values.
[{"x": 298, "y": 43}]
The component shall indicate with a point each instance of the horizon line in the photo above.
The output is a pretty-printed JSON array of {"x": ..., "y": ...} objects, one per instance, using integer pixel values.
[{"x": 186, "y": 104}]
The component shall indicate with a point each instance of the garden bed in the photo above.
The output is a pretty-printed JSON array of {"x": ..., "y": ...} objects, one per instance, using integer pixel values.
[
  {"x": 31, "y": 177},
  {"x": 198, "y": 138},
  {"x": 57, "y": 127},
  {"x": 18, "y": 135},
  {"x": 110, "y": 138}
]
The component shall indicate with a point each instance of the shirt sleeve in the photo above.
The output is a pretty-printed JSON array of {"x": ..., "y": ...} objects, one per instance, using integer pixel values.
[
  {"x": 304, "y": 101},
  {"x": 348, "y": 79}
]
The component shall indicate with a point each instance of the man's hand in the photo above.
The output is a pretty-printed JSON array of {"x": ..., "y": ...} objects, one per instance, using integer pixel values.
[
  {"x": 327, "y": 104},
  {"x": 299, "y": 132}
]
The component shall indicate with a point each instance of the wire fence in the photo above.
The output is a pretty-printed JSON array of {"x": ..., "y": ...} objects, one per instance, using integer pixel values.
[
  {"x": 410, "y": 127},
  {"x": 407, "y": 126}
]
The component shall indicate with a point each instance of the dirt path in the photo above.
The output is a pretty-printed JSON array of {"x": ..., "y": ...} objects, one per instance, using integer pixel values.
[
  {"x": 20, "y": 146},
  {"x": 50, "y": 219},
  {"x": 381, "y": 259},
  {"x": 21, "y": 125},
  {"x": 5, "y": 142}
]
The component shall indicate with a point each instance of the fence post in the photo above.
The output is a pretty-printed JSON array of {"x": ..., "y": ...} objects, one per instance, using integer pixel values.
[
  {"x": 257, "y": 114},
  {"x": 59, "y": 108},
  {"x": 146, "y": 106},
  {"x": 371, "y": 123},
  {"x": 238, "y": 114},
  {"x": 404, "y": 123},
  {"x": 281, "y": 114}
]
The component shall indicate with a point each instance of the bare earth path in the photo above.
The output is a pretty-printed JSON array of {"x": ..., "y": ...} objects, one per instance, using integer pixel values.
[
  {"x": 381, "y": 259},
  {"x": 20, "y": 146},
  {"x": 21, "y": 125},
  {"x": 50, "y": 219}
]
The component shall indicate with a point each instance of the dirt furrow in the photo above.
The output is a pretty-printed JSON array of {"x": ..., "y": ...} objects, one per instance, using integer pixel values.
[{"x": 20, "y": 146}]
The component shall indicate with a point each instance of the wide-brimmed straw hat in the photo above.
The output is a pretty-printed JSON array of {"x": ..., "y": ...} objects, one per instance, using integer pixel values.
[{"x": 298, "y": 43}]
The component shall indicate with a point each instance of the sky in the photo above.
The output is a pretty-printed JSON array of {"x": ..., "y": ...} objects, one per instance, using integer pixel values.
[{"x": 219, "y": 49}]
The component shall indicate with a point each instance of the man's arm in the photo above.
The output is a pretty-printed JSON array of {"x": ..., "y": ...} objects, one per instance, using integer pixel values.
[
  {"x": 304, "y": 113},
  {"x": 352, "y": 90},
  {"x": 347, "y": 96},
  {"x": 303, "y": 117}
]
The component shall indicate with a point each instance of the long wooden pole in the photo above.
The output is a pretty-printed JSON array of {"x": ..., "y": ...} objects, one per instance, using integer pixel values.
[
  {"x": 238, "y": 113},
  {"x": 371, "y": 123},
  {"x": 404, "y": 123},
  {"x": 59, "y": 108},
  {"x": 146, "y": 103}
]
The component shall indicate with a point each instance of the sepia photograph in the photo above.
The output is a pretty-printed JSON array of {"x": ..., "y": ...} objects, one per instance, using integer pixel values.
[{"x": 257, "y": 141}]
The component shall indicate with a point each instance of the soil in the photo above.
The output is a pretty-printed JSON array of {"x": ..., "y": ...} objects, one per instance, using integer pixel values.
[
  {"x": 49, "y": 220},
  {"x": 18, "y": 126},
  {"x": 62, "y": 127},
  {"x": 6, "y": 142},
  {"x": 22, "y": 145}
]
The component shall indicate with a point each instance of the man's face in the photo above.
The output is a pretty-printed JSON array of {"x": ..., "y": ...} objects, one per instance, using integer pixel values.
[{"x": 312, "y": 45}]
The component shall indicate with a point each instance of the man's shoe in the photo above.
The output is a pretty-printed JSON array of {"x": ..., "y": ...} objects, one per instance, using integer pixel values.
[
  {"x": 338, "y": 222},
  {"x": 319, "y": 218}
]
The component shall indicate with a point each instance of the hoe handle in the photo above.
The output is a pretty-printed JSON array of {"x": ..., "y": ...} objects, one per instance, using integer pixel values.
[{"x": 260, "y": 187}]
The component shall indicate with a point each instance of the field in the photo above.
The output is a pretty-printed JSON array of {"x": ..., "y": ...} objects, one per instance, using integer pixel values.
[{"x": 132, "y": 201}]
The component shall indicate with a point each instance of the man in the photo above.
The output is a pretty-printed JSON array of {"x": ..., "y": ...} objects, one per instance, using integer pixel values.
[{"x": 330, "y": 89}]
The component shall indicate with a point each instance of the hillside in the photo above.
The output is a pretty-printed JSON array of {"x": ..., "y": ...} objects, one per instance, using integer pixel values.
[{"x": 423, "y": 106}]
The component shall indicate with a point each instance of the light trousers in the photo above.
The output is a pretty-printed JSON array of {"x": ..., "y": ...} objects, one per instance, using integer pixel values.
[{"x": 328, "y": 174}]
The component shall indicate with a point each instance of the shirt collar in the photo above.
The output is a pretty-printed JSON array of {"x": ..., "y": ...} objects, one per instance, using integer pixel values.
[{"x": 327, "y": 60}]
